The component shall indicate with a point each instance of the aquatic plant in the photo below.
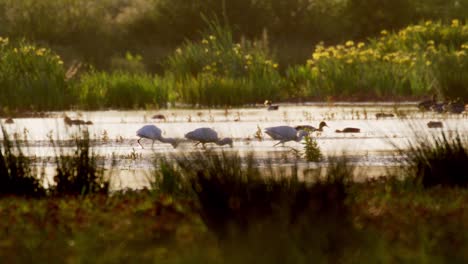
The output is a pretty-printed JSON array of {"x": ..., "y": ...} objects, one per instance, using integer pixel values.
[
  {"x": 312, "y": 150},
  {"x": 78, "y": 173}
]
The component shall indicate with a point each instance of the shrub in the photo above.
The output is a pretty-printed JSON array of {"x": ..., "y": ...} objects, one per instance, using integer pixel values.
[
  {"x": 416, "y": 60},
  {"x": 31, "y": 78},
  {"x": 217, "y": 71}
]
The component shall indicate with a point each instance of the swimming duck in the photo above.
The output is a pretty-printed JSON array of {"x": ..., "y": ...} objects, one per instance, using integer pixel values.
[
  {"x": 311, "y": 128},
  {"x": 348, "y": 130}
]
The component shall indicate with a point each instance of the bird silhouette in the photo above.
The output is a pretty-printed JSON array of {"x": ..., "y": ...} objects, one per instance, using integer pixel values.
[
  {"x": 427, "y": 104},
  {"x": 270, "y": 106},
  {"x": 434, "y": 124},
  {"x": 383, "y": 115},
  {"x": 455, "y": 107},
  {"x": 205, "y": 135},
  {"x": 348, "y": 130},
  {"x": 285, "y": 134},
  {"x": 311, "y": 128},
  {"x": 154, "y": 133}
]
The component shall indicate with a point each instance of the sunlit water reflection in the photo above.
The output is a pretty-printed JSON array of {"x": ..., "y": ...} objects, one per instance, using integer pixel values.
[{"x": 113, "y": 132}]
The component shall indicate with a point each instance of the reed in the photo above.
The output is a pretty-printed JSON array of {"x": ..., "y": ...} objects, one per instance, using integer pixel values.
[
  {"x": 439, "y": 160},
  {"x": 18, "y": 176},
  {"x": 121, "y": 90},
  {"x": 78, "y": 173}
]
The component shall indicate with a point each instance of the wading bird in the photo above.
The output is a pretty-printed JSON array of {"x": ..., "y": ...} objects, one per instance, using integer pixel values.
[
  {"x": 348, "y": 130},
  {"x": 154, "y": 133},
  {"x": 270, "y": 106},
  {"x": 285, "y": 134},
  {"x": 205, "y": 135},
  {"x": 311, "y": 128}
]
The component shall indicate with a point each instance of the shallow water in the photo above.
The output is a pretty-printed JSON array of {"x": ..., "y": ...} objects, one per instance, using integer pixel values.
[{"x": 114, "y": 131}]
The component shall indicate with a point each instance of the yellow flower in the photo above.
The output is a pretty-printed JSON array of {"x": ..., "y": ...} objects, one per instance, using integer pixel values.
[
  {"x": 248, "y": 57},
  {"x": 204, "y": 41},
  {"x": 430, "y": 42},
  {"x": 428, "y": 23},
  {"x": 310, "y": 62},
  {"x": 360, "y": 44},
  {"x": 455, "y": 23},
  {"x": 428, "y": 63},
  {"x": 349, "y": 43},
  {"x": 384, "y": 32},
  {"x": 60, "y": 62},
  {"x": 211, "y": 37},
  {"x": 275, "y": 65},
  {"x": 349, "y": 61},
  {"x": 178, "y": 51},
  {"x": 460, "y": 53}
]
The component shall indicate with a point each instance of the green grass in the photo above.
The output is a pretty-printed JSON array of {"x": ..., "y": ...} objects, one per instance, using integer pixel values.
[{"x": 121, "y": 90}]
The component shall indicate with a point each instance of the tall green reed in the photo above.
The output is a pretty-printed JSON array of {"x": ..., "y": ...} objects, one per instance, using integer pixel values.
[
  {"x": 438, "y": 160},
  {"x": 123, "y": 90},
  {"x": 78, "y": 172}
]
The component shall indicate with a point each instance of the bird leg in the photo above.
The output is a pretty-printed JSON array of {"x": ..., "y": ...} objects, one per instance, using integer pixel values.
[
  {"x": 140, "y": 143},
  {"x": 281, "y": 142},
  {"x": 196, "y": 144},
  {"x": 152, "y": 145}
]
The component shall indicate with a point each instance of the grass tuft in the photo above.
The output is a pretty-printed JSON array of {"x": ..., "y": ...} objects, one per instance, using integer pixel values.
[{"x": 439, "y": 160}]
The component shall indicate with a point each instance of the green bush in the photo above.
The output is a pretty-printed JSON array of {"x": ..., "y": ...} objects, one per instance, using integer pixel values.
[
  {"x": 31, "y": 78},
  {"x": 216, "y": 71},
  {"x": 416, "y": 60}
]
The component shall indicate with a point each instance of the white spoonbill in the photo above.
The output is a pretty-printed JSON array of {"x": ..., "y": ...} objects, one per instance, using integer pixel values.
[
  {"x": 207, "y": 135},
  {"x": 285, "y": 134},
  {"x": 154, "y": 133}
]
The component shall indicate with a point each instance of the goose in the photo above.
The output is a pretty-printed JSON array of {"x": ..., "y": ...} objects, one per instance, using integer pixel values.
[
  {"x": 205, "y": 135},
  {"x": 285, "y": 134},
  {"x": 154, "y": 133}
]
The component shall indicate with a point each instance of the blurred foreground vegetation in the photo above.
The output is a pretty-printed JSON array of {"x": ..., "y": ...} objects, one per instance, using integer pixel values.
[{"x": 151, "y": 53}]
